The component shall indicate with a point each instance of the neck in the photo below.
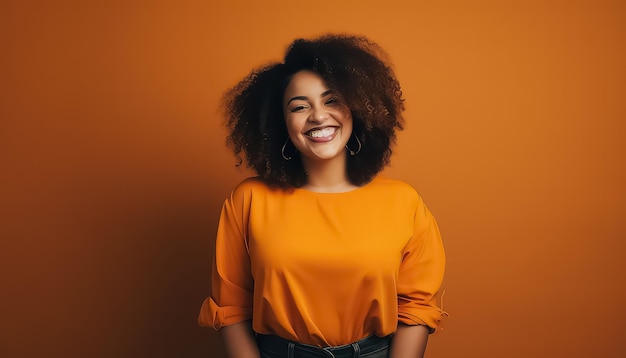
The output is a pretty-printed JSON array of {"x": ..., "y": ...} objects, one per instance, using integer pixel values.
[{"x": 328, "y": 176}]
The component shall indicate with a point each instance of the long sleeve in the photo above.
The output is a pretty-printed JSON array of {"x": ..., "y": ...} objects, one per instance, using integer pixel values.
[
  {"x": 421, "y": 272},
  {"x": 232, "y": 285}
]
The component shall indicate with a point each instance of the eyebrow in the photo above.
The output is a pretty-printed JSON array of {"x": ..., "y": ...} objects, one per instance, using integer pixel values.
[{"x": 305, "y": 98}]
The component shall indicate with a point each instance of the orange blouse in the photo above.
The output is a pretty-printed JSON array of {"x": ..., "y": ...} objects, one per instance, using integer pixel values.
[{"x": 325, "y": 269}]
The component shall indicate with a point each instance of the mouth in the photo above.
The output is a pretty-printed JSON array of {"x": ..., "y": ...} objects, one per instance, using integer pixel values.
[{"x": 321, "y": 133}]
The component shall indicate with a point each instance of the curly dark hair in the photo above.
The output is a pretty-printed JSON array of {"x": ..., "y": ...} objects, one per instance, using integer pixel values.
[{"x": 353, "y": 66}]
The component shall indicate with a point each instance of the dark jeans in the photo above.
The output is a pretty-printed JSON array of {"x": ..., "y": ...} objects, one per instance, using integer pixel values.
[{"x": 275, "y": 347}]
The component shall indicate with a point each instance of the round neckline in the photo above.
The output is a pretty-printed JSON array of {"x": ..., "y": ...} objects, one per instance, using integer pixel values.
[{"x": 337, "y": 193}]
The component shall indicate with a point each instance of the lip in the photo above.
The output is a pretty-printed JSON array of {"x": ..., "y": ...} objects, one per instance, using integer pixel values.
[{"x": 321, "y": 139}]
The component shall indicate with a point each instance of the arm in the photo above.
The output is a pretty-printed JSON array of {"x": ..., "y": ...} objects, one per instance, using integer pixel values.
[
  {"x": 239, "y": 340},
  {"x": 419, "y": 280},
  {"x": 229, "y": 308},
  {"x": 409, "y": 341}
]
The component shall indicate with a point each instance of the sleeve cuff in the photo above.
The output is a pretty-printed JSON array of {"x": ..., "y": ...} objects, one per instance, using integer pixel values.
[
  {"x": 432, "y": 319},
  {"x": 212, "y": 315}
]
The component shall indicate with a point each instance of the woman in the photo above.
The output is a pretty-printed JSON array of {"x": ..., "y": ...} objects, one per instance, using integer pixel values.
[{"x": 318, "y": 256}]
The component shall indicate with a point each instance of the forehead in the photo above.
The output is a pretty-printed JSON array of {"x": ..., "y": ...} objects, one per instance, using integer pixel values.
[{"x": 306, "y": 82}]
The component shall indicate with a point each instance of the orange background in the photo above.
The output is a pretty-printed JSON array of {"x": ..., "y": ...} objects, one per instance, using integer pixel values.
[{"x": 114, "y": 166}]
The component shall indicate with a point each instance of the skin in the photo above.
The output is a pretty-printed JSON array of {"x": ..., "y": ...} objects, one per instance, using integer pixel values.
[
  {"x": 310, "y": 106},
  {"x": 239, "y": 340},
  {"x": 409, "y": 341}
]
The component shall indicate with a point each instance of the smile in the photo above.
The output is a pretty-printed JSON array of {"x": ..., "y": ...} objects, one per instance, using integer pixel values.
[{"x": 321, "y": 132}]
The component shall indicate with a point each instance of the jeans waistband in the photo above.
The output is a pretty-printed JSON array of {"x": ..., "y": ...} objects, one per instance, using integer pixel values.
[{"x": 285, "y": 348}]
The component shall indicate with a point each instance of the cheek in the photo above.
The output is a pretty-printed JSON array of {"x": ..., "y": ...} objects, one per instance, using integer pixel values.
[
  {"x": 347, "y": 122},
  {"x": 293, "y": 125}
]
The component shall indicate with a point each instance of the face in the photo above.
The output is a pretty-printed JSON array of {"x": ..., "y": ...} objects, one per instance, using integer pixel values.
[{"x": 318, "y": 122}]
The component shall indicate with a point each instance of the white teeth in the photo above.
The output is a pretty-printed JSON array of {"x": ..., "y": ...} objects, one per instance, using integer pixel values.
[{"x": 324, "y": 132}]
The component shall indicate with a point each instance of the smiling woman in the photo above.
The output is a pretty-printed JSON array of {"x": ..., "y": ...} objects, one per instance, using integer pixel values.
[
  {"x": 319, "y": 126},
  {"x": 360, "y": 77},
  {"x": 317, "y": 129}
]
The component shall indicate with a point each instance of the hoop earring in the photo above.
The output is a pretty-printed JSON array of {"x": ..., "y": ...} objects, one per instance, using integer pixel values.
[
  {"x": 358, "y": 142},
  {"x": 282, "y": 151}
]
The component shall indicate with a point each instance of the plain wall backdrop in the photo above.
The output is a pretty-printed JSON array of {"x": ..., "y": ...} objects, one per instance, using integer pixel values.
[{"x": 113, "y": 165}]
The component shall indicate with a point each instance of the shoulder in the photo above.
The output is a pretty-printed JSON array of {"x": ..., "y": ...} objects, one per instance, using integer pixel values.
[
  {"x": 249, "y": 186},
  {"x": 401, "y": 193},
  {"x": 393, "y": 186},
  {"x": 253, "y": 187}
]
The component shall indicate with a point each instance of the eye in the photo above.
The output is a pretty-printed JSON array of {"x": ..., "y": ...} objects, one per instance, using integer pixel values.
[
  {"x": 297, "y": 108},
  {"x": 332, "y": 100}
]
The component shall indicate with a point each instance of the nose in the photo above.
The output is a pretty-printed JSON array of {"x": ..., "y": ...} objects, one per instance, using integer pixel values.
[{"x": 318, "y": 115}]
